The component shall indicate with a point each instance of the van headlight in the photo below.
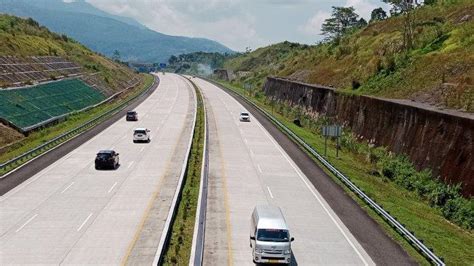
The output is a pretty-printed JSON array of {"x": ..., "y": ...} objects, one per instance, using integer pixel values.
[
  {"x": 286, "y": 252},
  {"x": 258, "y": 250}
]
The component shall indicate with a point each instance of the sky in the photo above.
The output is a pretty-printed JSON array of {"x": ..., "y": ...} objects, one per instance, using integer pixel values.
[{"x": 236, "y": 23}]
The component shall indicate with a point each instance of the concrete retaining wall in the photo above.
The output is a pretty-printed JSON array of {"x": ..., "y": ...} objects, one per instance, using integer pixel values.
[{"x": 440, "y": 140}]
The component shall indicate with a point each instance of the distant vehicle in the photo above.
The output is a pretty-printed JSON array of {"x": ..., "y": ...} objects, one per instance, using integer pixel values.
[
  {"x": 141, "y": 135},
  {"x": 107, "y": 159},
  {"x": 131, "y": 116},
  {"x": 269, "y": 236},
  {"x": 244, "y": 117}
]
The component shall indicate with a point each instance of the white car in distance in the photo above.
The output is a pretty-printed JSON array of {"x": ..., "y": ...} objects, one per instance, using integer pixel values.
[
  {"x": 141, "y": 135},
  {"x": 244, "y": 117}
]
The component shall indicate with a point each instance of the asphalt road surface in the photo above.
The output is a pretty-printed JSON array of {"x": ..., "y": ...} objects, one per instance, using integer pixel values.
[
  {"x": 70, "y": 213},
  {"x": 248, "y": 167}
]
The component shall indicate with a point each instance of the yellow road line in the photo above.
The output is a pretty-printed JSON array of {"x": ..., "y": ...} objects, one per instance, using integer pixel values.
[{"x": 143, "y": 220}]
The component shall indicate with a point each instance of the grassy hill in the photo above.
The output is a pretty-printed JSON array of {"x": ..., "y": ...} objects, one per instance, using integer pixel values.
[
  {"x": 25, "y": 37},
  {"x": 438, "y": 70}
]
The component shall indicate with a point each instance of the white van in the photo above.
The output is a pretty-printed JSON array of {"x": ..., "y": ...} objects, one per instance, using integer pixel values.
[{"x": 269, "y": 236}]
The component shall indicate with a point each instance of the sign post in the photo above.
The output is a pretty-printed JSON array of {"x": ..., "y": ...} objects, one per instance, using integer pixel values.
[{"x": 331, "y": 131}]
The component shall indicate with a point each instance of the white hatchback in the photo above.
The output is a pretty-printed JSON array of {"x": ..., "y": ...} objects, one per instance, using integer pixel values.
[
  {"x": 244, "y": 117},
  {"x": 141, "y": 135}
]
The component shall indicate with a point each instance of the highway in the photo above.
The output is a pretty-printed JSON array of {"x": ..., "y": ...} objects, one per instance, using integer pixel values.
[
  {"x": 70, "y": 213},
  {"x": 248, "y": 167}
]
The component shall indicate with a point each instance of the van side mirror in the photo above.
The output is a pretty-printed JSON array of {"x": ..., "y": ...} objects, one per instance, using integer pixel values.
[
  {"x": 252, "y": 238},
  {"x": 292, "y": 239}
]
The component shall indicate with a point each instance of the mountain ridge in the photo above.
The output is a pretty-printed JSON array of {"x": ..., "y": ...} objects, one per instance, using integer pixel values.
[{"x": 106, "y": 34}]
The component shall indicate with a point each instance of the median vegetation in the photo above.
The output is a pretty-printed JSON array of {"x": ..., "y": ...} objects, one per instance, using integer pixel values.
[
  {"x": 435, "y": 212},
  {"x": 179, "y": 246}
]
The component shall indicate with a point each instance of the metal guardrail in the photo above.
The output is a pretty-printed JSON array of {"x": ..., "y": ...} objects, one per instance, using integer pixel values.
[
  {"x": 404, "y": 232},
  {"x": 197, "y": 247},
  {"x": 166, "y": 233},
  {"x": 20, "y": 160}
]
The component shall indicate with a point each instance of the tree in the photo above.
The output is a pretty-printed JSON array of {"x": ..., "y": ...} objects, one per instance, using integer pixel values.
[
  {"x": 116, "y": 56},
  {"x": 407, "y": 9},
  {"x": 430, "y": 2},
  {"x": 401, "y": 6},
  {"x": 361, "y": 23},
  {"x": 173, "y": 60},
  {"x": 378, "y": 14},
  {"x": 342, "y": 20}
]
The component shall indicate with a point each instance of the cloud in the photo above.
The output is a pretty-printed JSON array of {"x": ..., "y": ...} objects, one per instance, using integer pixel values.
[
  {"x": 362, "y": 7},
  {"x": 313, "y": 25},
  {"x": 222, "y": 20}
]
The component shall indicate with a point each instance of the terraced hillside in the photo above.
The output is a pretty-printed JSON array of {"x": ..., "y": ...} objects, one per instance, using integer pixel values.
[
  {"x": 27, "y": 107},
  {"x": 25, "y": 38},
  {"x": 44, "y": 75}
]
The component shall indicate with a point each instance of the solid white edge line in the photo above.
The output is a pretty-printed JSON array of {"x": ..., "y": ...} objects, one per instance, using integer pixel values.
[
  {"x": 112, "y": 187},
  {"x": 64, "y": 190},
  {"x": 303, "y": 179},
  {"x": 167, "y": 225},
  {"x": 27, "y": 222},
  {"x": 85, "y": 221},
  {"x": 270, "y": 192},
  {"x": 130, "y": 164},
  {"x": 315, "y": 195},
  {"x": 205, "y": 155},
  {"x": 259, "y": 169}
]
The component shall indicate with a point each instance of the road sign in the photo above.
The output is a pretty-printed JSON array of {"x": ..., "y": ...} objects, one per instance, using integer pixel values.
[
  {"x": 332, "y": 131},
  {"x": 162, "y": 65}
]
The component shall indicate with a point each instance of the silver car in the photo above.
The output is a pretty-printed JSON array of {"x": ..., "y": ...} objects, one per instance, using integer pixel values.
[
  {"x": 244, "y": 117},
  {"x": 141, "y": 135},
  {"x": 269, "y": 236}
]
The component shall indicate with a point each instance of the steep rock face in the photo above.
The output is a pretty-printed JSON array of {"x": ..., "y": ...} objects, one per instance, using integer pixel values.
[{"x": 439, "y": 140}]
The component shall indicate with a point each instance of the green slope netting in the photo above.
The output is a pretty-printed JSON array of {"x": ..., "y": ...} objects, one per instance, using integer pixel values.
[{"x": 29, "y": 106}]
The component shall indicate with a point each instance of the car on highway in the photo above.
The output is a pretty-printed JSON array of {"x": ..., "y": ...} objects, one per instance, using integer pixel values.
[
  {"x": 131, "y": 116},
  {"x": 269, "y": 236},
  {"x": 107, "y": 159},
  {"x": 244, "y": 117},
  {"x": 141, "y": 135}
]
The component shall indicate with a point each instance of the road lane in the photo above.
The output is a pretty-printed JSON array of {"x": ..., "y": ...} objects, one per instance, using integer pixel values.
[
  {"x": 71, "y": 213},
  {"x": 247, "y": 167}
]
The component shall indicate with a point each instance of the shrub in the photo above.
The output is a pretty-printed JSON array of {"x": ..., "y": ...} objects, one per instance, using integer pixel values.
[
  {"x": 460, "y": 211},
  {"x": 442, "y": 193}
]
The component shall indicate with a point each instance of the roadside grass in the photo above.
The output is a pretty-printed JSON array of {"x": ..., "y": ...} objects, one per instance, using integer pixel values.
[
  {"x": 178, "y": 250},
  {"x": 37, "y": 138},
  {"x": 448, "y": 240}
]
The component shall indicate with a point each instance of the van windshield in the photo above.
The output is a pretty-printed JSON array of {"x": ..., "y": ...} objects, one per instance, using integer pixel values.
[
  {"x": 140, "y": 132},
  {"x": 273, "y": 235}
]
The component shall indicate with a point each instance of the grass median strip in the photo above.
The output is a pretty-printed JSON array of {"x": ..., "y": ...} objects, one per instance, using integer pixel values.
[
  {"x": 42, "y": 136},
  {"x": 178, "y": 249},
  {"x": 448, "y": 240}
]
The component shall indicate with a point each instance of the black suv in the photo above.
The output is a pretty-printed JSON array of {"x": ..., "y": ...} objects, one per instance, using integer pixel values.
[
  {"x": 131, "y": 116},
  {"x": 107, "y": 159}
]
